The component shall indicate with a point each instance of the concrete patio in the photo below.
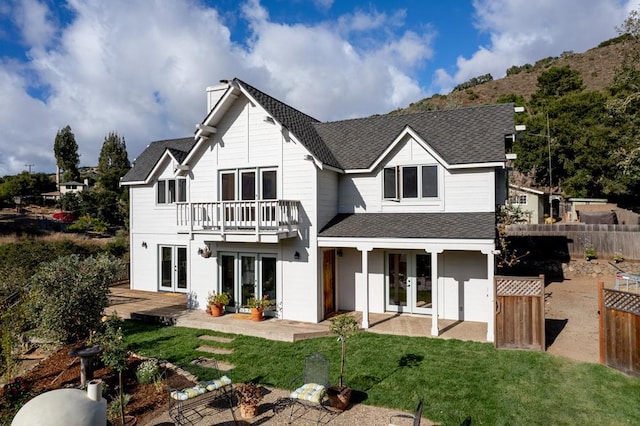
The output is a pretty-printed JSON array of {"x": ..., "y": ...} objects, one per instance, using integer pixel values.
[{"x": 171, "y": 308}]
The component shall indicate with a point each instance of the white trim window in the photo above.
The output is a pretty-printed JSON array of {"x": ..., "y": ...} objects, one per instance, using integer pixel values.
[
  {"x": 249, "y": 184},
  {"x": 519, "y": 199},
  {"x": 169, "y": 191},
  {"x": 413, "y": 182}
]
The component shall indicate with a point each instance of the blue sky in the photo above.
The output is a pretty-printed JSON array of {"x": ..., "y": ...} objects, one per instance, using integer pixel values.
[{"x": 140, "y": 67}]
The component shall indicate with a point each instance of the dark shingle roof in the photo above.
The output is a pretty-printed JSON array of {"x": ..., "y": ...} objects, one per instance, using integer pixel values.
[
  {"x": 459, "y": 136},
  {"x": 412, "y": 225},
  {"x": 299, "y": 123},
  {"x": 143, "y": 165}
]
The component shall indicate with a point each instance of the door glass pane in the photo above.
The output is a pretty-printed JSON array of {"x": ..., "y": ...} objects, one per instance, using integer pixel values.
[
  {"x": 182, "y": 267},
  {"x": 172, "y": 191},
  {"x": 429, "y": 181},
  {"x": 166, "y": 267},
  {"x": 228, "y": 187},
  {"x": 268, "y": 273},
  {"x": 269, "y": 185},
  {"x": 248, "y": 282},
  {"x": 409, "y": 182},
  {"x": 248, "y": 185},
  {"x": 162, "y": 196},
  {"x": 423, "y": 281},
  {"x": 390, "y": 183},
  {"x": 397, "y": 280},
  {"x": 182, "y": 190},
  {"x": 228, "y": 277}
]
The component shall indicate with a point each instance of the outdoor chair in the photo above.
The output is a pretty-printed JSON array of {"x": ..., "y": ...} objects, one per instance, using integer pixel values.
[
  {"x": 416, "y": 417},
  {"x": 311, "y": 395},
  {"x": 186, "y": 405}
]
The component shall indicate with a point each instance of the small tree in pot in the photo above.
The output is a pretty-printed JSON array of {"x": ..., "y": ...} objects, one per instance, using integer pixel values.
[{"x": 342, "y": 326}]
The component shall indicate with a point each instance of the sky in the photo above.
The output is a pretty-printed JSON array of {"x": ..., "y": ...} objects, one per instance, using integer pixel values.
[{"x": 140, "y": 68}]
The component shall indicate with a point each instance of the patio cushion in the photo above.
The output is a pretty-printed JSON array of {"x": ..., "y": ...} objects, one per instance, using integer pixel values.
[
  {"x": 311, "y": 392},
  {"x": 214, "y": 384},
  {"x": 188, "y": 393}
]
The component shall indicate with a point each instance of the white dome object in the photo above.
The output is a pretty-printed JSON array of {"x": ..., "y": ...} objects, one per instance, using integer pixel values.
[{"x": 68, "y": 407}]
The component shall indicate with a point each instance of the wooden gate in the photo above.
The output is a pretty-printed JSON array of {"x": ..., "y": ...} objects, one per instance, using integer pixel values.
[
  {"x": 519, "y": 313},
  {"x": 620, "y": 329}
]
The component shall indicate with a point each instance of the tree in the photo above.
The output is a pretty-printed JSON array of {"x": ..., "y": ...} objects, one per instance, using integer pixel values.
[
  {"x": 65, "y": 150},
  {"x": 113, "y": 162}
]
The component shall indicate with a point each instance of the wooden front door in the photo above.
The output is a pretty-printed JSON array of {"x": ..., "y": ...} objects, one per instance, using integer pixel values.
[{"x": 329, "y": 280}]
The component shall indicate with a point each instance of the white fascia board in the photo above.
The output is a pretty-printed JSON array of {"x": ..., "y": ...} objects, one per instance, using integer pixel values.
[
  {"x": 407, "y": 243},
  {"x": 132, "y": 183},
  {"x": 477, "y": 165},
  {"x": 228, "y": 98},
  {"x": 406, "y": 131},
  {"x": 156, "y": 168},
  {"x": 525, "y": 189}
]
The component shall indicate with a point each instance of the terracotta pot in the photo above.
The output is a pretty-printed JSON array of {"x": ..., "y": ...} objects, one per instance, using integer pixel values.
[
  {"x": 339, "y": 397},
  {"x": 256, "y": 314},
  {"x": 248, "y": 411},
  {"x": 217, "y": 310}
]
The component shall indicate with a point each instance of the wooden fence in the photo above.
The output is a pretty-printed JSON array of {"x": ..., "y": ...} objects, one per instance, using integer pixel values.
[
  {"x": 619, "y": 329},
  {"x": 519, "y": 313},
  {"x": 607, "y": 240}
]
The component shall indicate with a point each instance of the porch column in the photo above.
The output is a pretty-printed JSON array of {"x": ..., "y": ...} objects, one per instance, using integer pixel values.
[
  {"x": 491, "y": 294},
  {"x": 434, "y": 292},
  {"x": 365, "y": 290}
]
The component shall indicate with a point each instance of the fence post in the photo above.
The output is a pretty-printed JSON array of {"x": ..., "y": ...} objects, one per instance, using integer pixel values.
[{"x": 601, "y": 346}]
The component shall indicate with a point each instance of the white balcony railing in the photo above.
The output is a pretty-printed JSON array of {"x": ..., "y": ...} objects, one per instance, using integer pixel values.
[{"x": 227, "y": 217}]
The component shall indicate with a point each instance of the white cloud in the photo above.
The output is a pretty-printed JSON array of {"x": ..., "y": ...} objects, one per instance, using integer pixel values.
[
  {"x": 140, "y": 68},
  {"x": 523, "y": 31}
]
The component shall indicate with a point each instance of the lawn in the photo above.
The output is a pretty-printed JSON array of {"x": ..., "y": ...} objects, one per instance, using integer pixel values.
[{"x": 456, "y": 378}]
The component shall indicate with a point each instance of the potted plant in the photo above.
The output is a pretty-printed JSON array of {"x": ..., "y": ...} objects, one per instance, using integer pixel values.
[
  {"x": 216, "y": 302},
  {"x": 617, "y": 258},
  {"x": 257, "y": 306},
  {"x": 342, "y": 326},
  {"x": 249, "y": 396},
  {"x": 590, "y": 253}
]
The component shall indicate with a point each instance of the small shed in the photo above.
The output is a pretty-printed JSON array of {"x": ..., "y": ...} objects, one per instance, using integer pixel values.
[{"x": 529, "y": 200}]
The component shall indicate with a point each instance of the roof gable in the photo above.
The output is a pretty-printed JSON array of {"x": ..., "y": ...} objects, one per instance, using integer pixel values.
[
  {"x": 459, "y": 136},
  {"x": 147, "y": 161}
]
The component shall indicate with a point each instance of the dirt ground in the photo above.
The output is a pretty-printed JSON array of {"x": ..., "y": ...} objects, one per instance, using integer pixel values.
[{"x": 571, "y": 313}]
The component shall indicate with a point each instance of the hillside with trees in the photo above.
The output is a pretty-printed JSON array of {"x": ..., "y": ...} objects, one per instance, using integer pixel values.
[{"x": 582, "y": 135}]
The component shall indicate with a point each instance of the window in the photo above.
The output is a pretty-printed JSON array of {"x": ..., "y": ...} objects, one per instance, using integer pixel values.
[
  {"x": 519, "y": 199},
  {"x": 413, "y": 182},
  {"x": 248, "y": 185},
  {"x": 170, "y": 191}
]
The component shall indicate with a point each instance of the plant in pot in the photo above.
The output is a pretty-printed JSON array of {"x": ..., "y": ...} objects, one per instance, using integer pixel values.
[
  {"x": 249, "y": 396},
  {"x": 257, "y": 306},
  {"x": 617, "y": 258},
  {"x": 590, "y": 253},
  {"x": 342, "y": 326},
  {"x": 216, "y": 302}
]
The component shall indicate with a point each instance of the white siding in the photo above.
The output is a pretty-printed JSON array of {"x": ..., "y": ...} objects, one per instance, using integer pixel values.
[
  {"x": 360, "y": 193},
  {"x": 463, "y": 286},
  {"x": 470, "y": 190},
  {"x": 327, "y": 196}
]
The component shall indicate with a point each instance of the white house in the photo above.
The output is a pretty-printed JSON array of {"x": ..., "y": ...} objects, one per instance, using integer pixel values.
[
  {"x": 531, "y": 201},
  {"x": 391, "y": 213}
]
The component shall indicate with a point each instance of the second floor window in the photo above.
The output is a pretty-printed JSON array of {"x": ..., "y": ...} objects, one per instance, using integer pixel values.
[
  {"x": 170, "y": 191},
  {"x": 248, "y": 185},
  {"x": 410, "y": 182}
]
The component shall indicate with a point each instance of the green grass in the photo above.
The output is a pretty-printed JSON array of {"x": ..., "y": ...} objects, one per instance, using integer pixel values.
[{"x": 455, "y": 378}]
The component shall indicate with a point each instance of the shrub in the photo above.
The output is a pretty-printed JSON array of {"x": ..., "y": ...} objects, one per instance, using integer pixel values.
[
  {"x": 69, "y": 294},
  {"x": 148, "y": 372}
]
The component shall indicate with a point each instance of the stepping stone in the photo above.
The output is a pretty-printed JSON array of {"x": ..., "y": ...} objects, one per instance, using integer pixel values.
[
  {"x": 216, "y": 338},
  {"x": 206, "y": 363},
  {"x": 212, "y": 350}
]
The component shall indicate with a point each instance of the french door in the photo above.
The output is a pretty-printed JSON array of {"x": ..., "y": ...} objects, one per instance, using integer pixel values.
[
  {"x": 408, "y": 282},
  {"x": 173, "y": 268},
  {"x": 247, "y": 275}
]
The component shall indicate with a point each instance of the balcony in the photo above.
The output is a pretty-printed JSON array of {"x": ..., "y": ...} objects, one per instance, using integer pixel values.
[{"x": 266, "y": 221}]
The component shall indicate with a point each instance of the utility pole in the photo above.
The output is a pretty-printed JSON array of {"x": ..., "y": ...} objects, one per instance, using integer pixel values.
[
  {"x": 29, "y": 166},
  {"x": 550, "y": 175}
]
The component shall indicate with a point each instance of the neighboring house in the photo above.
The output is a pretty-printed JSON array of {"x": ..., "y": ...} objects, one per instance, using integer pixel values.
[
  {"x": 391, "y": 213},
  {"x": 531, "y": 201}
]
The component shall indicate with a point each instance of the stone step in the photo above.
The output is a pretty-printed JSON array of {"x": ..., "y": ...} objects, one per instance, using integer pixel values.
[
  {"x": 216, "y": 338},
  {"x": 214, "y": 350},
  {"x": 208, "y": 363}
]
